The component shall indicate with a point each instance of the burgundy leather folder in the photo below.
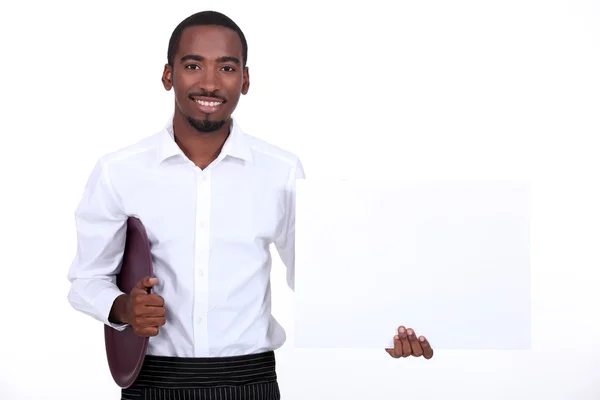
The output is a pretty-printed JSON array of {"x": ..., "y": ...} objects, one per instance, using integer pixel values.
[{"x": 125, "y": 350}]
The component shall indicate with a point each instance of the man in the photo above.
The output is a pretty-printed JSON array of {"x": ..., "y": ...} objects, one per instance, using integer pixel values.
[{"x": 213, "y": 199}]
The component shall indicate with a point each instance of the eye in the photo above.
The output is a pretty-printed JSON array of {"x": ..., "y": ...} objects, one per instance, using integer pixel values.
[
  {"x": 192, "y": 66},
  {"x": 228, "y": 68}
]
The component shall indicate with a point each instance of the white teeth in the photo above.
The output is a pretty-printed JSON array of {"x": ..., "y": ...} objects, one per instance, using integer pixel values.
[{"x": 208, "y": 103}]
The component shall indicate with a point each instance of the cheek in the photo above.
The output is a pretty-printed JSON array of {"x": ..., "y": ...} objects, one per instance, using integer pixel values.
[
  {"x": 181, "y": 98},
  {"x": 233, "y": 99},
  {"x": 181, "y": 92},
  {"x": 181, "y": 82},
  {"x": 234, "y": 88}
]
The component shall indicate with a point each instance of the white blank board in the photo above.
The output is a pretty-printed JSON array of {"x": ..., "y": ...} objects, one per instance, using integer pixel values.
[{"x": 449, "y": 259}]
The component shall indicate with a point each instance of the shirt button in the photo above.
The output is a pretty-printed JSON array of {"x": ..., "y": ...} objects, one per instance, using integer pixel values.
[{"x": 200, "y": 273}]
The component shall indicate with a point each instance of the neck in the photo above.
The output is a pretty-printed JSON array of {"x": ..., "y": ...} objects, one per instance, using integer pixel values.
[{"x": 200, "y": 147}]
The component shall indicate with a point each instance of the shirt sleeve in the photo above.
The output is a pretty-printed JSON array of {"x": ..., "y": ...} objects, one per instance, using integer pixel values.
[
  {"x": 101, "y": 227},
  {"x": 286, "y": 242}
]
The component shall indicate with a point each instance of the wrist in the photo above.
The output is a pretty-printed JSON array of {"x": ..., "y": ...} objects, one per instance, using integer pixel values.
[{"x": 118, "y": 312}]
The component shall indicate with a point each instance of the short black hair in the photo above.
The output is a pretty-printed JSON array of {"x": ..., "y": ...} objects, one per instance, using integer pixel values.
[{"x": 205, "y": 18}]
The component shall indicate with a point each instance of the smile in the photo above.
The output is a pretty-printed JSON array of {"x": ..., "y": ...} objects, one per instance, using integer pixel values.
[
  {"x": 209, "y": 103},
  {"x": 208, "y": 107}
]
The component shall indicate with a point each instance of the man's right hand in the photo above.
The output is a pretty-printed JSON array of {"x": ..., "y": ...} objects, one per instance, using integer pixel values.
[{"x": 144, "y": 311}]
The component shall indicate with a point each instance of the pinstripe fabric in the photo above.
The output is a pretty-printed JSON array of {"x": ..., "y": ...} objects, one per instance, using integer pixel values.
[{"x": 249, "y": 377}]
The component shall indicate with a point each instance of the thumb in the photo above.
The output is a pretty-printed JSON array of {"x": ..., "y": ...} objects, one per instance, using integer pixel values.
[
  {"x": 146, "y": 283},
  {"x": 392, "y": 353}
]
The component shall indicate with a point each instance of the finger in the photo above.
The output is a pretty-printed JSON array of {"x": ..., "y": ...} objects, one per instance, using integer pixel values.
[
  {"x": 146, "y": 283},
  {"x": 146, "y": 332},
  {"x": 143, "y": 311},
  {"x": 397, "y": 346},
  {"x": 427, "y": 349},
  {"x": 153, "y": 300},
  {"x": 137, "y": 291},
  {"x": 405, "y": 349},
  {"x": 414, "y": 343},
  {"x": 150, "y": 322},
  {"x": 149, "y": 300},
  {"x": 397, "y": 349}
]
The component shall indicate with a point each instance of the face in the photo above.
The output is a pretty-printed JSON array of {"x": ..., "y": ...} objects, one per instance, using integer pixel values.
[{"x": 207, "y": 76}]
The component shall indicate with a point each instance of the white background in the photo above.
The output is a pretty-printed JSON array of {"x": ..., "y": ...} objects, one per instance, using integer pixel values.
[{"x": 429, "y": 89}]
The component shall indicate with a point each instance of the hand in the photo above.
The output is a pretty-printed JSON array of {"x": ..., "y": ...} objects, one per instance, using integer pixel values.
[
  {"x": 144, "y": 311},
  {"x": 406, "y": 344}
]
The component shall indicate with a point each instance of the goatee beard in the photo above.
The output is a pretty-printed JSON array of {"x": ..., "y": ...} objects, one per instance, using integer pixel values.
[{"x": 205, "y": 126}]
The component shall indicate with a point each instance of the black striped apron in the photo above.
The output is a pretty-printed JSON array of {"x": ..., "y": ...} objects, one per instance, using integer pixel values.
[{"x": 248, "y": 377}]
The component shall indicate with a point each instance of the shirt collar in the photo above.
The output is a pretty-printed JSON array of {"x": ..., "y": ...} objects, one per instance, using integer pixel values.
[{"x": 235, "y": 146}]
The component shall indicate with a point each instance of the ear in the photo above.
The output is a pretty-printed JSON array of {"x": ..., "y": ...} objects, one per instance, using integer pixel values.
[
  {"x": 167, "y": 77},
  {"x": 246, "y": 83}
]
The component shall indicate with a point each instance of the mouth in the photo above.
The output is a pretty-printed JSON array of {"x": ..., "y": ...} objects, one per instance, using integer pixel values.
[{"x": 208, "y": 105}]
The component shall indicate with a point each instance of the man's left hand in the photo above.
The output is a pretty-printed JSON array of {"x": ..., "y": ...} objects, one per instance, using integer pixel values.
[{"x": 407, "y": 344}]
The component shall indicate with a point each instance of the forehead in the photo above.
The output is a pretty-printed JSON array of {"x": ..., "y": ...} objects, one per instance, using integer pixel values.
[{"x": 210, "y": 41}]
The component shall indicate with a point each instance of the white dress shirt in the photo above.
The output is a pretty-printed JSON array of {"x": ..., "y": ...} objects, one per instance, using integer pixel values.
[{"x": 210, "y": 232}]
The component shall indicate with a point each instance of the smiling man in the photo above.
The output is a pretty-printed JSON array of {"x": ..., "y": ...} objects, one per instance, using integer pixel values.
[{"x": 213, "y": 199}]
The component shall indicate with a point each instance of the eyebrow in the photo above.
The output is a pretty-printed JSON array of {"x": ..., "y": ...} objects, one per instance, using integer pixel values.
[{"x": 220, "y": 59}]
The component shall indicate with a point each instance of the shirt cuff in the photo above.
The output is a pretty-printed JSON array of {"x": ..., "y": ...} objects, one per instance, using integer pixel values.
[{"x": 104, "y": 303}]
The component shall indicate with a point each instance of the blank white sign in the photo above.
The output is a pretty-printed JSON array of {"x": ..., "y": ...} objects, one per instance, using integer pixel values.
[{"x": 449, "y": 259}]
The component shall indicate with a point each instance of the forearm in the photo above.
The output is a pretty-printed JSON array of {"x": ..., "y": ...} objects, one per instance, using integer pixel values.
[{"x": 96, "y": 297}]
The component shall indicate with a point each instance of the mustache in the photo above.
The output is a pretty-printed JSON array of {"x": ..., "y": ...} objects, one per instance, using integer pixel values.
[{"x": 212, "y": 95}]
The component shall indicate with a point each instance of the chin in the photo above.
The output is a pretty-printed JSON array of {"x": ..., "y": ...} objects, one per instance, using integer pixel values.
[
  {"x": 208, "y": 117},
  {"x": 206, "y": 125}
]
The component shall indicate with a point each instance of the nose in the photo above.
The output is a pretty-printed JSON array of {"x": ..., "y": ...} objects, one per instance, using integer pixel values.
[{"x": 210, "y": 80}]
